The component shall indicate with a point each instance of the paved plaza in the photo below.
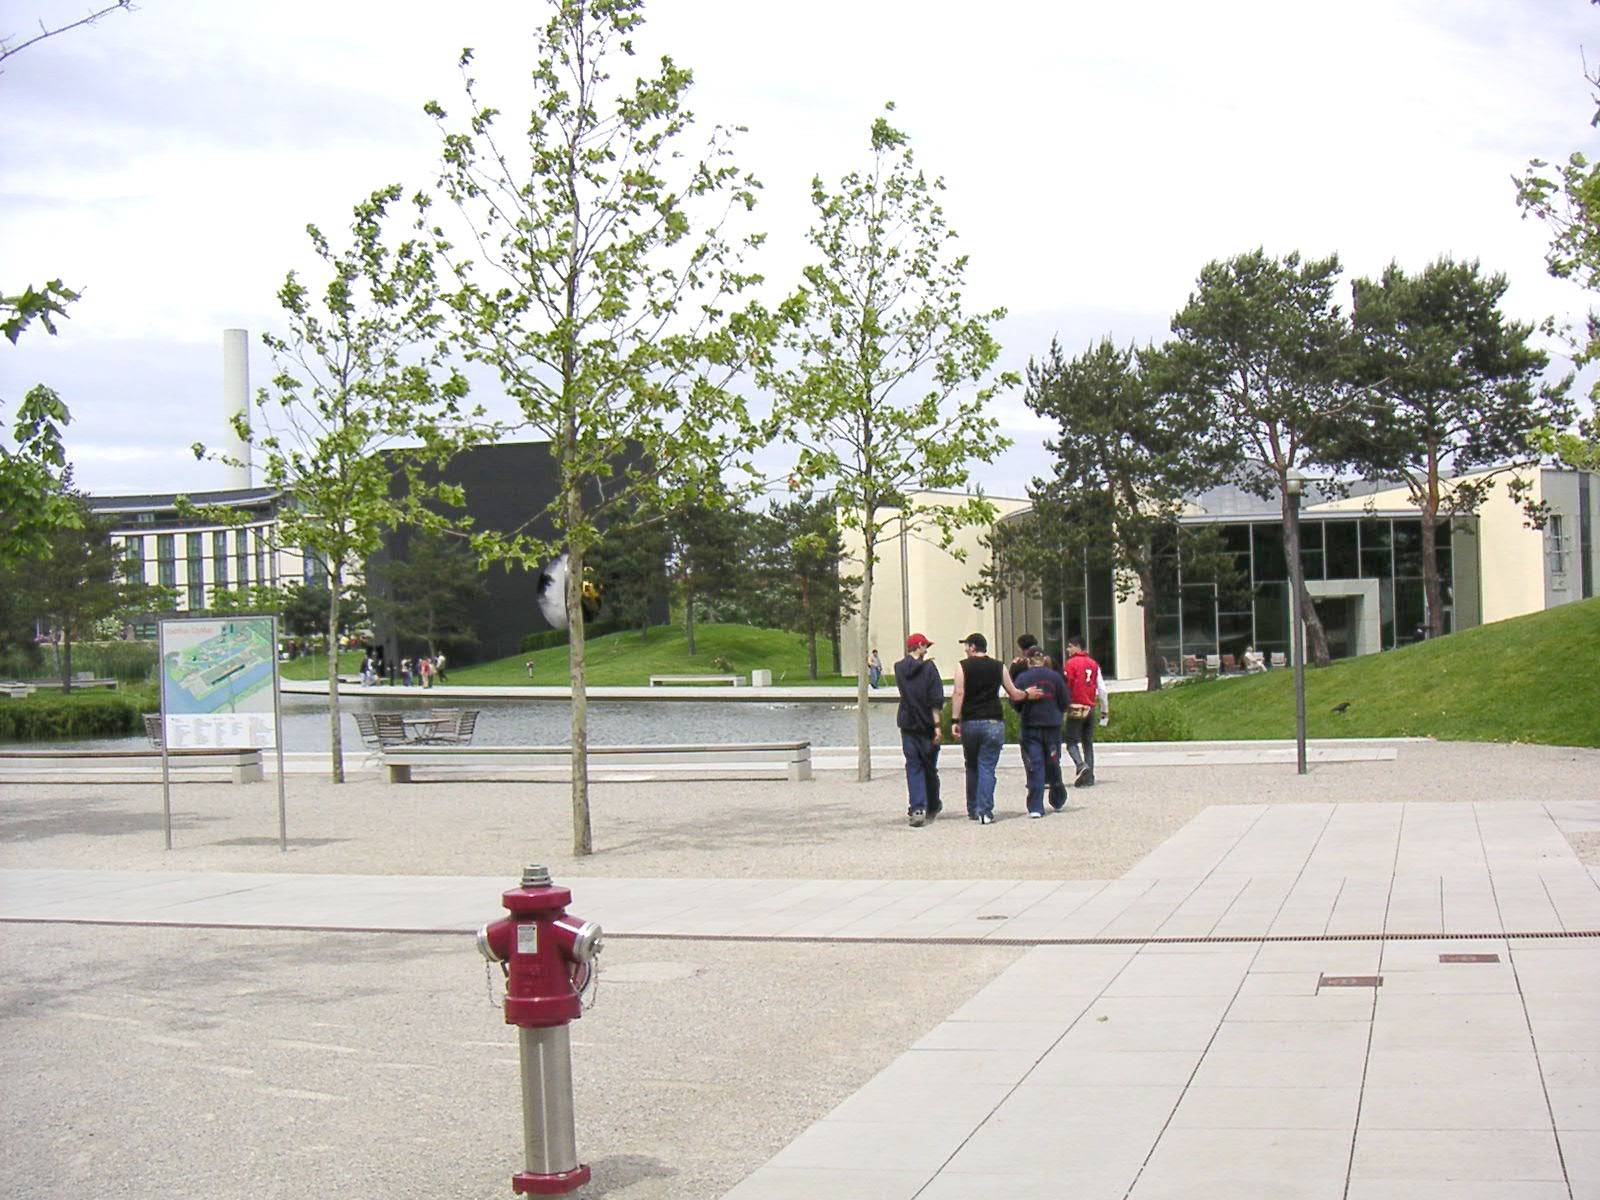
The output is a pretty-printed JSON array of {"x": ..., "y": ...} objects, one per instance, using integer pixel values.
[{"x": 1359, "y": 998}]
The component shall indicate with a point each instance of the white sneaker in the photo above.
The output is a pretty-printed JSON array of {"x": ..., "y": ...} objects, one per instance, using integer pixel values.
[{"x": 1033, "y": 816}]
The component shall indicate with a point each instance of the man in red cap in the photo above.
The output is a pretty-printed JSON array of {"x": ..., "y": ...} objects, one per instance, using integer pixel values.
[{"x": 921, "y": 699}]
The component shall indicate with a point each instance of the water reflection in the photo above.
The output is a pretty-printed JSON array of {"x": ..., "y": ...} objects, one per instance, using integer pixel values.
[{"x": 516, "y": 722}]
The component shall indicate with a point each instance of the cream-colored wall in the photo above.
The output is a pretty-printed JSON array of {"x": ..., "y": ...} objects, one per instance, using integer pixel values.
[
  {"x": 1128, "y": 619},
  {"x": 1510, "y": 555},
  {"x": 940, "y": 609}
]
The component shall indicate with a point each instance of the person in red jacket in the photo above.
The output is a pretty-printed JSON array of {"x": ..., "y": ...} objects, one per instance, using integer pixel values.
[{"x": 1087, "y": 691}]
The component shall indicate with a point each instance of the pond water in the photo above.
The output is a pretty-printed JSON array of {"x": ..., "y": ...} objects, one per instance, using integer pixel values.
[{"x": 518, "y": 722}]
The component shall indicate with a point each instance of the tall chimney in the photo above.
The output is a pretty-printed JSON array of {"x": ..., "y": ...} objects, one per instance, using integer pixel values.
[{"x": 235, "y": 405}]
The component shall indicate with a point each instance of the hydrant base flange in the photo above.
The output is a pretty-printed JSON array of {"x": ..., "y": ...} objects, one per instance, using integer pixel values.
[{"x": 529, "y": 1184}]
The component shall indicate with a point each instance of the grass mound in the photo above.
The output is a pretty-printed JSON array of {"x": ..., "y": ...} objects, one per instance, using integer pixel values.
[
  {"x": 1529, "y": 679},
  {"x": 628, "y": 660}
]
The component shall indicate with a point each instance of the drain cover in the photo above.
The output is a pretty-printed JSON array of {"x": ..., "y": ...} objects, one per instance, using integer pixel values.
[{"x": 1350, "y": 981}]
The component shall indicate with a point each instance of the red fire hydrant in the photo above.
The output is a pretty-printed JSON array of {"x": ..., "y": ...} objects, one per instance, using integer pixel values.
[{"x": 549, "y": 958}]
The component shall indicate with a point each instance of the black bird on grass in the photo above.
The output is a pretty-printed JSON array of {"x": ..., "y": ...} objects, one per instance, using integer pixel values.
[{"x": 1341, "y": 706}]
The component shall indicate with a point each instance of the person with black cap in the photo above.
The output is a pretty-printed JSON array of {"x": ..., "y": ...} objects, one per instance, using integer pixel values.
[
  {"x": 921, "y": 699},
  {"x": 978, "y": 723}
]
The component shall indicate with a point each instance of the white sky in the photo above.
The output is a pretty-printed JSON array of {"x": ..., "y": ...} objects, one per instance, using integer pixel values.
[{"x": 1097, "y": 156}]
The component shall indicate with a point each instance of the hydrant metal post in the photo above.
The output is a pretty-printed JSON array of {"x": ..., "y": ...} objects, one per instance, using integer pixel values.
[{"x": 548, "y": 957}]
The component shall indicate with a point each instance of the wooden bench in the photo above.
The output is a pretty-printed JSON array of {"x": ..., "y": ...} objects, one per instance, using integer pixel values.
[
  {"x": 792, "y": 759},
  {"x": 243, "y": 766},
  {"x": 730, "y": 680}
]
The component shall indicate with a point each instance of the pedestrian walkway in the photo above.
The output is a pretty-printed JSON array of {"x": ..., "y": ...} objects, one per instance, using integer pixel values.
[{"x": 1355, "y": 1001}]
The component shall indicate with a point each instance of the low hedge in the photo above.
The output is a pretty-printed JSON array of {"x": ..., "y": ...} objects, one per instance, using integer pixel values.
[
  {"x": 47, "y": 715},
  {"x": 1155, "y": 722}
]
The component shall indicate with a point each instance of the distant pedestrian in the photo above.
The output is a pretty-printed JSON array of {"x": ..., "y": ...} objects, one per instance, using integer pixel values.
[
  {"x": 921, "y": 701},
  {"x": 978, "y": 722},
  {"x": 425, "y": 669},
  {"x": 874, "y": 669},
  {"x": 405, "y": 671},
  {"x": 1088, "y": 691},
  {"x": 1040, "y": 733},
  {"x": 438, "y": 666},
  {"x": 368, "y": 671}
]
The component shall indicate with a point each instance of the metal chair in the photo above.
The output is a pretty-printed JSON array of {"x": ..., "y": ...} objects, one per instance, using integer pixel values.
[
  {"x": 459, "y": 731},
  {"x": 368, "y": 729},
  {"x": 390, "y": 729}
]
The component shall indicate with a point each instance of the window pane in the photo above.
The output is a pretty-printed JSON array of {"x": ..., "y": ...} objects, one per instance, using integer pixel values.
[
  {"x": 1407, "y": 550},
  {"x": 1339, "y": 547},
  {"x": 1199, "y": 619},
  {"x": 1272, "y": 617},
  {"x": 1376, "y": 556},
  {"x": 1271, "y": 565}
]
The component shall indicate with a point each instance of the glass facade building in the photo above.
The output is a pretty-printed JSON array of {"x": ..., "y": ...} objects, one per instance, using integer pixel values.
[{"x": 1364, "y": 574}]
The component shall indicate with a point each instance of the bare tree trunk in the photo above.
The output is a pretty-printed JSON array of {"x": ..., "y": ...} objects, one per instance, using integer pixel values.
[
  {"x": 1316, "y": 637},
  {"x": 1433, "y": 593},
  {"x": 582, "y": 834},
  {"x": 864, "y": 648},
  {"x": 688, "y": 617},
  {"x": 1153, "y": 665},
  {"x": 335, "y": 744}
]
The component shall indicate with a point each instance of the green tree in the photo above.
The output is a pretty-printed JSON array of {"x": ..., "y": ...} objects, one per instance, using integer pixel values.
[
  {"x": 1263, "y": 344},
  {"x": 262, "y": 598},
  {"x": 707, "y": 557},
  {"x": 34, "y": 483},
  {"x": 796, "y": 577},
  {"x": 1129, "y": 453},
  {"x": 355, "y": 403},
  {"x": 596, "y": 282},
  {"x": 78, "y": 582},
  {"x": 629, "y": 566},
  {"x": 429, "y": 591},
  {"x": 1567, "y": 199},
  {"x": 34, "y": 489},
  {"x": 304, "y": 608},
  {"x": 892, "y": 382},
  {"x": 1460, "y": 393},
  {"x": 9, "y": 45}
]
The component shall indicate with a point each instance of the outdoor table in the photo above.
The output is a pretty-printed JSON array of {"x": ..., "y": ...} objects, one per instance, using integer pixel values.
[{"x": 423, "y": 729}]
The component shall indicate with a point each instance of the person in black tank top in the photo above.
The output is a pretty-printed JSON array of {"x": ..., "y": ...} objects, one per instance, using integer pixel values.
[{"x": 978, "y": 722}]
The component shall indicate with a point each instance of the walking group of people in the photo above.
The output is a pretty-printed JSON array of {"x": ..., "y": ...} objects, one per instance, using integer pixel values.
[
  {"x": 1056, "y": 707},
  {"x": 422, "y": 671}
]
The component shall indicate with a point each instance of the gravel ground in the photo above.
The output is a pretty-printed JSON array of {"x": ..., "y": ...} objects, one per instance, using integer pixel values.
[
  {"x": 188, "y": 1063},
  {"x": 148, "y": 1062},
  {"x": 830, "y": 827}
]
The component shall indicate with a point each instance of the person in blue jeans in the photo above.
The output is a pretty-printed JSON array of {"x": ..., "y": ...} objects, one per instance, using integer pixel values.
[
  {"x": 1041, "y": 717},
  {"x": 921, "y": 699},
  {"x": 978, "y": 722}
]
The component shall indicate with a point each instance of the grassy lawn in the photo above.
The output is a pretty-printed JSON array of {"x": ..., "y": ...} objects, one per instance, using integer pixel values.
[
  {"x": 1530, "y": 679},
  {"x": 626, "y": 660},
  {"x": 315, "y": 666}
]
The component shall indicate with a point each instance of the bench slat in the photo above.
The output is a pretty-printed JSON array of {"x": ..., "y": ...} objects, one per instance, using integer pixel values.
[{"x": 795, "y": 757}]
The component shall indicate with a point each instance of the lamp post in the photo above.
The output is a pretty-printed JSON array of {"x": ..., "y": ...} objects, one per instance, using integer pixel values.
[
  {"x": 1294, "y": 486},
  {"x": 905, "y": 580}
]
